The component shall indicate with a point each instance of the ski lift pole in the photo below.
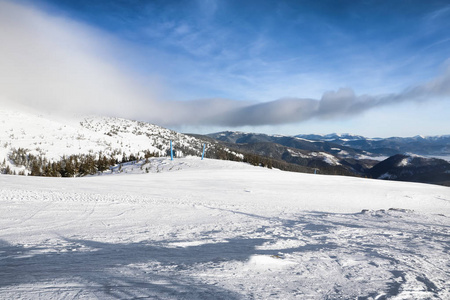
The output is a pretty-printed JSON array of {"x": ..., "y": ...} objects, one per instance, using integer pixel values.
[
  {"x": 203, "y": 153},
  {"x": 171, "y": 150}
]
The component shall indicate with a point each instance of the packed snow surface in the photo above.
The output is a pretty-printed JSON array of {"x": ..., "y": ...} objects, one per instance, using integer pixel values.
[{"x": 193, "y": 229}]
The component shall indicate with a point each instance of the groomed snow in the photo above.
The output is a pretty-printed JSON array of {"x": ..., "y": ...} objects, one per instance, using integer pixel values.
[{"x": 193, "y": 229}]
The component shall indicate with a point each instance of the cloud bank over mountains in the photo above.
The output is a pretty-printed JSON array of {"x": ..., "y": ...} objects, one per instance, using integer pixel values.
[
  {"x": 342, "y": 103},
  {"x": 55, "y": 64}
]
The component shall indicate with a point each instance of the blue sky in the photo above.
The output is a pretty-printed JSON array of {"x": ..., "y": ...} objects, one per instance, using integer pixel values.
[{"x": 376, "y": 68}]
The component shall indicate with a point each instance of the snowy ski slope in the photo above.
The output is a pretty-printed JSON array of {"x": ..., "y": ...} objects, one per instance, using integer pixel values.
[{"x": 192, "y": 229}]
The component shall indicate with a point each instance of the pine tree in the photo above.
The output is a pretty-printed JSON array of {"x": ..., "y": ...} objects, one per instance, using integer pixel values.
[
  {"x": 7, "y": 170},
  {"x": 35, "y": 168}
]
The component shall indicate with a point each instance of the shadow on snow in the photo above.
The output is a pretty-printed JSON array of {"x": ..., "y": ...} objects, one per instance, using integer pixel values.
[{"x": 161, "y": 270}]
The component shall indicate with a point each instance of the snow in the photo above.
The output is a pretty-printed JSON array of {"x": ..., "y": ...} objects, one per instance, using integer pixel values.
[
  {"x": 303, "y": 139},
  {"x": 238, "y": 155},
  {"x": 297, "y": 154},
  {"x": 326, "y": 157},
  {"x": 53, "y": 138},
  {"x": 330, "y": 159},
  {"x": 371, "y": 156},
  {"x": 404, "y": 162},
  {"x": 208, "y": 229},
  {"x": 444, "y": 157}
]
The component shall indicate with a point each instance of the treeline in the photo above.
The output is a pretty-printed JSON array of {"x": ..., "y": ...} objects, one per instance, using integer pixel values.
[
  {"x": 90, "y": 164},
  {"x": 263, "y": 161},
  {"x": 6, "y": 169},
  {"x": 218, "y": 152},
  {"x": 255, "y": 160},
  {"x": 69, "y": 166}
]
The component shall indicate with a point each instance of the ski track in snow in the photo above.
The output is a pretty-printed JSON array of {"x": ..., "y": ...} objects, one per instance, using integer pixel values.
[{"x": 222, "y": 230}]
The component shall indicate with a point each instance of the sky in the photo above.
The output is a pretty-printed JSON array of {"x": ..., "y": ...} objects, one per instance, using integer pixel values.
[{"x": 374, "y": 68}]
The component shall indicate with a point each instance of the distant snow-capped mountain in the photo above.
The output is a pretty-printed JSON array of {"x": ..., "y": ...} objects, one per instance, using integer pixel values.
[
  {"x": 331, "y": 137},
  {"x": 236, "y": 137},
  {"x": 421, "y": 145},
  {"x": 323, "y": 156},
  {"x": 347, "y": 154}
]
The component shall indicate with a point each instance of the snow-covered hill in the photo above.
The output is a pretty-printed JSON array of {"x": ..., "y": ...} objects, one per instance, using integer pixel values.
[
  {"x": 52, "y": 138},
  {"x": 209, "y": 229}
]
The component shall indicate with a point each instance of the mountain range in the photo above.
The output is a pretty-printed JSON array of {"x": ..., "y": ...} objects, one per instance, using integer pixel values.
[
  {"x": 32, "y": 144},
  {"x": 352, "y": 154},
  {"x": 420, "y": 145}
]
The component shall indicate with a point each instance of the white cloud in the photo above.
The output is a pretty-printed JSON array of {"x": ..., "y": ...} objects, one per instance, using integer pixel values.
[{"x": 55, "y": 64}]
